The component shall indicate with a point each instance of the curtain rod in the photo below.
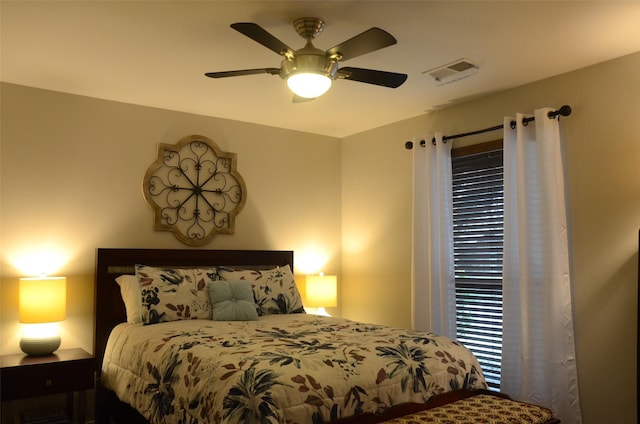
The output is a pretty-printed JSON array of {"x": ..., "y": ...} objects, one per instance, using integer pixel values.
[{"x": 563, "y": 111}]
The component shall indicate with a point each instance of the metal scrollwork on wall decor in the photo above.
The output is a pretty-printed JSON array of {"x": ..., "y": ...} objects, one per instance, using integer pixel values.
[{"x": 195, "y": 190}]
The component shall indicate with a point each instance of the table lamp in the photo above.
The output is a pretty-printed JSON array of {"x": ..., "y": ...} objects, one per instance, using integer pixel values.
[
  {"x": 42, "y": 301},
  {"x": 322, "y": 292}
]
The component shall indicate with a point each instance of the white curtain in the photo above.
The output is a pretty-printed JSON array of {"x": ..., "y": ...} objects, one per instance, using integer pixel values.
[
  {"x": 538, "y": 359},
  {"x": 432, "y": 261}
]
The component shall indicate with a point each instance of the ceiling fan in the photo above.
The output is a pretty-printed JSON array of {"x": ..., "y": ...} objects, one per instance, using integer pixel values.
[{"x": 310, "y": 71}]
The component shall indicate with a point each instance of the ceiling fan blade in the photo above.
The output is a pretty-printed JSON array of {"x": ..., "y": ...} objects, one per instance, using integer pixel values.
[
  {"x": 224, "y": 74},
  {"x": 260, "y": 35},
  {"x": 370, "y": 76},
  {"x": 371, "y": 40}
]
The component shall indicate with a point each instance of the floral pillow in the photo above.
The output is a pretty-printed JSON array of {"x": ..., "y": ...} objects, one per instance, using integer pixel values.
[
  {"x": 174, "y": 294},
  {"x": 274, "y": 290}
]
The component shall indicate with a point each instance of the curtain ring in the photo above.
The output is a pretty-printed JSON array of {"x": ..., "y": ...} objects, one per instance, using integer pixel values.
[{"x": 513, "y": 125}]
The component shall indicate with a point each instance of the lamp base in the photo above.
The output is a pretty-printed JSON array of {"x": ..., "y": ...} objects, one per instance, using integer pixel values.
[
  {"x": 39, "y": 346},
  {"x": 321, "y": 311}
]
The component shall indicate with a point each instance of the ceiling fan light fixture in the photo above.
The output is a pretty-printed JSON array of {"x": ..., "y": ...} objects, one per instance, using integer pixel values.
[
  {"x": 309, "y": 84},
  {"x": 310, "y": 73}
]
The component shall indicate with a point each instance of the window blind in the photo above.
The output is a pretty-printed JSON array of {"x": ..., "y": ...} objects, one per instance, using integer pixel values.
[{"x": 478, "y": 228}]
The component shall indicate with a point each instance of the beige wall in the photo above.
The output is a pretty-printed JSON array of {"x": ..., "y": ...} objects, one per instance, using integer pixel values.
[
  {"x": 603, "y": 181},
  {"x": 71, "y": 170},
  {"x": 71, "y": 177}
]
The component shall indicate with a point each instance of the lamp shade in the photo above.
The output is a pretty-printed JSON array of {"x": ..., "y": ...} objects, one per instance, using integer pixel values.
[
  {"x": 322, "y": 291},
  {"x": 42, "y": 299}
]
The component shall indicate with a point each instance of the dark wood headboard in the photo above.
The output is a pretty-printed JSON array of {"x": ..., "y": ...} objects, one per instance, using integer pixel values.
[{"x": 111, "y": 263}]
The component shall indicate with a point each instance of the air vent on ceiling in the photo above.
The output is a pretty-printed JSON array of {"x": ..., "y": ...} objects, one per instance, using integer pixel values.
[{"x": 453, "y": 71}]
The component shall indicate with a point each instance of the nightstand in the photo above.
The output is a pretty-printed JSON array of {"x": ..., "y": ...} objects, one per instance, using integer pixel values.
[{"x": 65, "y": 371}]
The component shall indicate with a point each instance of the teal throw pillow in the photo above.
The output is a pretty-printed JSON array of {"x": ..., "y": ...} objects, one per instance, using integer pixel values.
[{"x": 232, "y": 301}]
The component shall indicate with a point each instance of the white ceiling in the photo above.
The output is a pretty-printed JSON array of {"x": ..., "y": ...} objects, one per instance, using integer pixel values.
[{"x": 154, "y": 53}]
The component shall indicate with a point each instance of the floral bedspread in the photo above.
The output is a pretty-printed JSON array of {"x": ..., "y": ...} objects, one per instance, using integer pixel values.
[{"x": 291, "y": 369}]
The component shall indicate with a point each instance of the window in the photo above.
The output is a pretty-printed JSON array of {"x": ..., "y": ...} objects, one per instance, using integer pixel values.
[{"x": 478, "y": 223}]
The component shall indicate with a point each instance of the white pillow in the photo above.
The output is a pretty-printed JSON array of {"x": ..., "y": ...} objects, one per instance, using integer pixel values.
[{"x": 130, "y": 291}]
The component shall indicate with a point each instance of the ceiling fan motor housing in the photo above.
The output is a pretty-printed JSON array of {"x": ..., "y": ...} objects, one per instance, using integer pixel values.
[{"x": 309, "y": 64}]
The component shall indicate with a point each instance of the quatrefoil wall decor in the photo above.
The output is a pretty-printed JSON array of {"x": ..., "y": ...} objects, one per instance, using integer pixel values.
[{"x": 195, "y": 190}]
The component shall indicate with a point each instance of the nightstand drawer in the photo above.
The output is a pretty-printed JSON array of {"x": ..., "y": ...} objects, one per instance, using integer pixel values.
[
  {"x": 39, "y": 380},
  {"x": 66, "y": 371}
]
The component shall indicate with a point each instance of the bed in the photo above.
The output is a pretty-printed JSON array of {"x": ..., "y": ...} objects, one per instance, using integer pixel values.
[{"x": 182, "y": 363}]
